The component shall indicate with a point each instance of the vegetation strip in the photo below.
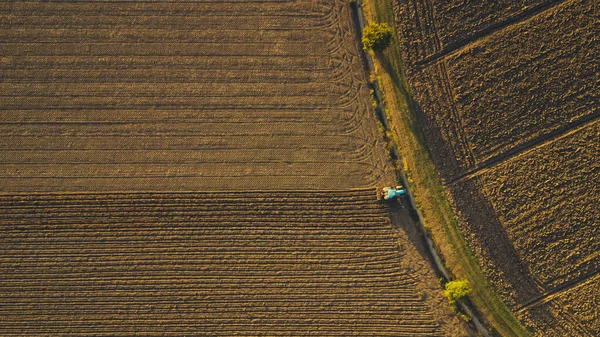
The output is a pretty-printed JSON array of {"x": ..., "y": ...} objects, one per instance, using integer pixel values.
[
  {"x": 429, "y": 243},
  {"x": 433, "y": 206}
]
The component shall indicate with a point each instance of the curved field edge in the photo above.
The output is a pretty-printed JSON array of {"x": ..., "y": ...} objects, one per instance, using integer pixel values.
[{"x": 430, "y": 196}]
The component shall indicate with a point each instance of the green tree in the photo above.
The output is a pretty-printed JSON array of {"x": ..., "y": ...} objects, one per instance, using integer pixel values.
[
  {"x": 455, "y": 290},
  {"x": 376, "y": 36}
]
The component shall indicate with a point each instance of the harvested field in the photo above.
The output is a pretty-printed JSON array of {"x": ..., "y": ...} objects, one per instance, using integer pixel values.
[
  {"x": 507, "y": 98},
  {"x": 550, "y": 73},
  {"x": 150, "y": 96},
  {"x": 532, "y": 248},
  {"x": 573, "y": 312},
  {"x": 118, "y": 118},
  {"x": 214, "y": 264},
  {"x": 581, "y": 305}
]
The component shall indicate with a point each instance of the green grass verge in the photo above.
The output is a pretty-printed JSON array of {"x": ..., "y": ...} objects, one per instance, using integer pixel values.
[{"x": 430, "y": 194}]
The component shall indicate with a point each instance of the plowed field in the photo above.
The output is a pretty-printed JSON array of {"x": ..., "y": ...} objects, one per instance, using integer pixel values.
[
  {"x": 507, "y": 96},
  {"x": 209, "y": 264},
  {"x": 152, "y": 95}
]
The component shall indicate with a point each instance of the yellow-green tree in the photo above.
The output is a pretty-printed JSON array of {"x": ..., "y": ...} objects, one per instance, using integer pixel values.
[
  {"x": 376, "y": 36},
  {"x": 455, "y": 290}
]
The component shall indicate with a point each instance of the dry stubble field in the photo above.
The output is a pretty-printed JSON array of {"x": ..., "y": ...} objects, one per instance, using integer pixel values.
[
  {"x": 161, "y": 95},
  {"x": 122, "y": 97},
  {"x": 508, "y": 99}
]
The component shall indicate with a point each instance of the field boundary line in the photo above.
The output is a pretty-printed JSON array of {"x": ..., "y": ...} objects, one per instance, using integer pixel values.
[
  {"x": 558, "y": 291},
  {"x": 457, "y": 46},
  {"x": 529, "y": 147}
]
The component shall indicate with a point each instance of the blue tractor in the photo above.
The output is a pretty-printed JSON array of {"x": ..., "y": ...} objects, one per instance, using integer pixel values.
[{"x": 389, "y": 193}]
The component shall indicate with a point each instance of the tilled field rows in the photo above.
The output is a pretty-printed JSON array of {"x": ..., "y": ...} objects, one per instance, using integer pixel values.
[
  {"x": 511, "y": 96},
  {"x": 154, "y": 95},
  {"x": 441, "y": 27},
  {"x": 572, "y": 313},
  {"x": 281, "y": 263}
]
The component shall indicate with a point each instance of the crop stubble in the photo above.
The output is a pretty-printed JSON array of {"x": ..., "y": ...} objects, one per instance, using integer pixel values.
[
  {"x": 508, "y": 98},
  {"x": 184, "y": 96}
]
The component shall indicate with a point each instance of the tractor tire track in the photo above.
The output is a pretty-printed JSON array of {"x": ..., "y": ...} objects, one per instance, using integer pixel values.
[
  {"x": 528, "y": 147},
  {"x": 456, "y": 47}
]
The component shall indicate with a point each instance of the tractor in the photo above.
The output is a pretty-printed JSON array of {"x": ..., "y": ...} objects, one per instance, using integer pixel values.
[{"x": 389, "y": 193}]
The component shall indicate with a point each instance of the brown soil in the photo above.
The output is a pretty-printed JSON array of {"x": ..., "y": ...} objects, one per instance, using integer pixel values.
[{"x": 101, "y": 100}]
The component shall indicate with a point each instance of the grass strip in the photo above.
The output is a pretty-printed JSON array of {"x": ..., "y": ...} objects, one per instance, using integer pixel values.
[{"x": 430, "y": 195}]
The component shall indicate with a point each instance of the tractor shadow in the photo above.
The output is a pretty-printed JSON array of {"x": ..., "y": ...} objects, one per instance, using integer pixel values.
[{"x": 404, "y": 219}]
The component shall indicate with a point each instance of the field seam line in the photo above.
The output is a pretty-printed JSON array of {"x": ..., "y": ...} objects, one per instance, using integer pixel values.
[
  {"x": 557, "y": 292},
  {"x": 524, "y": 16},
  {"x": 463, "y": 143},
  {"x": 528, "y": 147}
]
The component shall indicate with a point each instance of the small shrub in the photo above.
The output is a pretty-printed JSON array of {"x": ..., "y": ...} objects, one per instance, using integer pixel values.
[
  {"x": 455, "y": 290},
  {"x": 376, "y": 36},
  {"x": 372, "y": 78},
  {"x": 374, "y": 103}
]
